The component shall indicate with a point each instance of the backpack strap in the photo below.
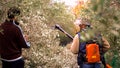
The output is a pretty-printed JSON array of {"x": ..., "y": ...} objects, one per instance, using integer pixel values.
[
  {"x": 79, "y": 43},
  {"x": 102, "y": 54},
  {"x": 81, "y": 52},
  {"x": 79, "y": 57},
  {"x": 101, "y": 50}
]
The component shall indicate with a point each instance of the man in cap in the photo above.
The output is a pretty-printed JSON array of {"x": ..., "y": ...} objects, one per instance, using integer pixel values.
[{"x": 82, "y": 25}]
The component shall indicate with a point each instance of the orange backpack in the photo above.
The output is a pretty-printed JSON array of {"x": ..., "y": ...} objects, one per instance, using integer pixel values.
[
  {"x": 92, "y": 53},
  {"x": 90, "y": 48}
]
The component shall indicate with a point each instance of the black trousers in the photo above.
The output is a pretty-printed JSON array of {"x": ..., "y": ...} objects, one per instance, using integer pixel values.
[{"x": 15, "y": 64}]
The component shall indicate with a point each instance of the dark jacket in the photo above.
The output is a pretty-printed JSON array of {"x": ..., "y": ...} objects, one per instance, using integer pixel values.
[{"x": 11, "y": 40}]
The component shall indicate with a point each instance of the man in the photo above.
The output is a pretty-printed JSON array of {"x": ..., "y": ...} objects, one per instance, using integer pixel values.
[
  {"x": 82, "y": 25},
  {"x": 12, "y": 41}
]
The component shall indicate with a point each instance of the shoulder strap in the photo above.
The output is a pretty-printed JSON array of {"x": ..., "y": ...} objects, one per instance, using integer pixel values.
[
  {"x": 81, "y": 45},
  {"x": 101, "y": 46},
  {"x": 79, "y": 41}
]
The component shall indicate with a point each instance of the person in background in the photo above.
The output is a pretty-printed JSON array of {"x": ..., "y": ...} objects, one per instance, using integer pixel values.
[
  {"x": 82, "y": 25},
  {"x": 12, "y": 41}
]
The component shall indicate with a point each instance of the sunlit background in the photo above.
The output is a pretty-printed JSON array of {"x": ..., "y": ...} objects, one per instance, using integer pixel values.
[{"x": 71, "y": 3}]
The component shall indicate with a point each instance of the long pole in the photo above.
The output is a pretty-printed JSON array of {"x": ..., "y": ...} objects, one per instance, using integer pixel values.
[{"x": 62, "y": 30}]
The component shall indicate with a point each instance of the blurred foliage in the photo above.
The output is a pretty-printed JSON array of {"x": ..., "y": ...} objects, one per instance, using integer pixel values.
[
  {"x": 50, "y": 13},
  {"x": 104, "y": 17}
]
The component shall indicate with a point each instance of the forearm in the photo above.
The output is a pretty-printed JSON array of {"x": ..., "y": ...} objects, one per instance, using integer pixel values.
[
  {"x": 106, "y": 45},
  {"x": 75, "y": 45}
]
